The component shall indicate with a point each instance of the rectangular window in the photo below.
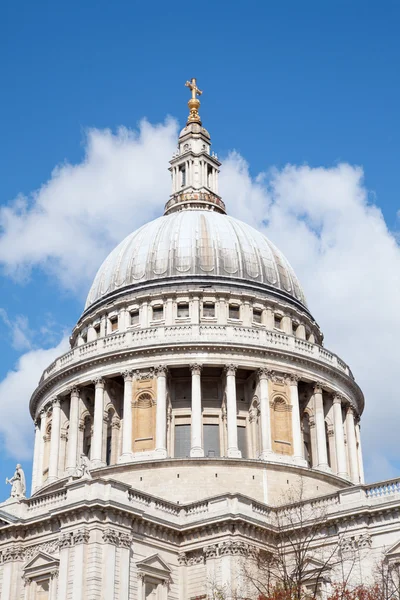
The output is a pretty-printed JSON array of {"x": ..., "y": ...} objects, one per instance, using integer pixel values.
[
  {"x": 242, "y": 441},
  {"x": 97, "y": 329},
  {"x": 257, "y": 314},
  {"x": 208, "y": 309},
  {"x": 158, "y": 313},
  {"x": 277, "y": 322},
  {"x": 211, "y": 440},
  {"x": 134, "y": 317},
  {"x": 183, "y": 310},
  {"x": 182, "y": 441},
  {"x": 114, "y": 323},
  {"x": 183, "y": 176},
  {"x": 234, "y": 311}
]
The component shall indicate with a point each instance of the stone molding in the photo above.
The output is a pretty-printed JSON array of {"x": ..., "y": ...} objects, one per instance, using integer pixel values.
[
  {"x": 50, "y": 547},
  {"x": 13, "y": 553},
  {"x": 141, "y": 375},
  {"x": 354, "y": 543}
]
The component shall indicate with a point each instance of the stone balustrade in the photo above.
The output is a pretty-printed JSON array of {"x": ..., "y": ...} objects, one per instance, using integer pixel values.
[
  {"x": 196, "y": 334},
  {"x": 185, "y": 514}
]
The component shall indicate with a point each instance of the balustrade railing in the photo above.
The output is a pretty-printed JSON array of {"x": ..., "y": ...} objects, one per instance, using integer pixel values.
[{"x": 174, "y": 334}]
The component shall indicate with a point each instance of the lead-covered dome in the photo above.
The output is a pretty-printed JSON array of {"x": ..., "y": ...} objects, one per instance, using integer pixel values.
[{"x": 195, "y": 244}]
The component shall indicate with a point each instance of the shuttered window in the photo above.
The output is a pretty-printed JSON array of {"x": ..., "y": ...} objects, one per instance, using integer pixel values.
[{"x": 182, "y": 441}]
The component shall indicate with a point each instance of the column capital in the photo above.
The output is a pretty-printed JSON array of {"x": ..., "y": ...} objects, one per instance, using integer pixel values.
[
  {"x": 42, "y": 415},
  {"x": 337, "y": 398},
  {"x": 231, "y": 369},
  {"x": 196, "y": 368},
  {"x": 161, "y": 371},
  {"x": 99, "y": 382},
  {"x": 265, "y": 373},
  {"x": 350, "y": 410},
  {"x": 127, "y": 375},
  {"x": 55, "y": 401},
  {"x": 74, "y": 390},
  {"x": 292, "y": 378},
  {"x": 317, "y": 387}
]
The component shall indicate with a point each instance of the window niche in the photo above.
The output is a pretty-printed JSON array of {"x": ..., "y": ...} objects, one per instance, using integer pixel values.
[
  {"x": 234, "y": 311},
  {"x": 208, "y": 310},
  {"x": 277, "y": 321},
  {"x": 154, "y": 577},
  {"x": 158, "y": 312},
  {"x": 134, "y": 316},
  {"x": 257, "y": 315},
  {"x": 182, "y": 310},
  {"x": 114, "y": 323}
]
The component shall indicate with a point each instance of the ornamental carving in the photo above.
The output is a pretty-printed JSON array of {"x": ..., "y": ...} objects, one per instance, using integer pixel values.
[
  {"x": 161, "y": 371},
  {"x": 236, "y": 548},
  {"x": 50, "y": 547},
  {"x": 74, "y": 390},
  {"x": 98, "y": 382},
  {"x": 117, "y": 538},
  {"x": 194, "y": 557},
  {"x": 355, "y": 542},
  {"x": 81, "y": 536},
  {"x": 210, "y": 551},
  {"x": 231, "y": 369},
  {"x": 264, "y": 373},
  {"x": 65, "y": 540},
  {"x": 196, "y": 369},
  {"x": 127, "y": 375},
  {"x": 292, "y": 379},
  {"x": 13, "y": 553},
  {"x": 144, "y": 375}
]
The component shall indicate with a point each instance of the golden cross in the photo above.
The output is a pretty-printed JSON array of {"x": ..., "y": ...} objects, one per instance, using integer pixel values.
[{"x": 193, "y": 87}]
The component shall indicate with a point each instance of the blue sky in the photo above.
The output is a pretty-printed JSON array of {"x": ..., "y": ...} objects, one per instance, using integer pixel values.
[{"x": 312, "y": 83}]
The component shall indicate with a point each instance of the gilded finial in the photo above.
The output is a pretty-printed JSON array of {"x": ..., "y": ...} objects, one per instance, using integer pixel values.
[{"x": 193, "y": 103}]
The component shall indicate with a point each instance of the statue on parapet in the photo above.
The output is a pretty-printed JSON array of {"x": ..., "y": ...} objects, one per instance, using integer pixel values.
[
  {"x": 17, "y": 482},
  {"x": 83, "y": 469}
]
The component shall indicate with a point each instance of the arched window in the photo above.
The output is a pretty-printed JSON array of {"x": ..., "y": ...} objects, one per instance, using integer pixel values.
[
  {"x": 144, "y": 421},
  {"x": 281, "y": 426}
]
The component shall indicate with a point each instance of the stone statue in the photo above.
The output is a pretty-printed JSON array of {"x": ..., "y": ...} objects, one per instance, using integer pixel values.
[
  {"x": 83, "y": 469},
  {"x": 17, "y": 481}
]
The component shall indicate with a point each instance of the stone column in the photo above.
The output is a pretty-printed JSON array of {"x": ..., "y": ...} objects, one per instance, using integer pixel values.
[
  {"x": 125, "y": 543},
  {"x": 320, "y": 428},
  {"x": 352, "y": 445},
  {"x": 80, "y": 539},
  {"x": 359, "y": 452},
  {"x": 196, "y": 430},
  {"x": 231, "y": 408},
  {"x": 298, "y": 453},
  {"x": 96, "y": 451},
  {"x": 73, "y": 431},
  {"x": 43, "y": 421},
  {"x": 127, "y": 420},
  {"x": 36, "y": 452},
  {"x": 266, "y": 444},
  {"x": 55, "y": 440},
  {"x": 339, "y": 436},
  {"x": 161, "y": 413}
]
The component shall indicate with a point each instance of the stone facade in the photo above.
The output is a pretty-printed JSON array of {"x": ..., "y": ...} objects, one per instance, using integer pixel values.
[{"x": 188, "y": 407}]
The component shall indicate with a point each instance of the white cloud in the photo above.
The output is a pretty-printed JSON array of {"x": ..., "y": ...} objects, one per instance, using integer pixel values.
[
  {"x": 16, "y": 430},
  {"x": 338, "y": 243},
  {"x": 19, "y": 330},
  {"x": 349, "y": 265},
  {"x": 69, "y": 225}
]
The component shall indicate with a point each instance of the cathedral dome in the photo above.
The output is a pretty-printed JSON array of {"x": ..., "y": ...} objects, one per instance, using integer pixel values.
[{"x": 195, "y": 244}]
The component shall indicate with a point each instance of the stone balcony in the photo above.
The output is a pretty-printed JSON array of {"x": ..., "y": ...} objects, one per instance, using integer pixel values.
[{"x": 178, "y": 335}]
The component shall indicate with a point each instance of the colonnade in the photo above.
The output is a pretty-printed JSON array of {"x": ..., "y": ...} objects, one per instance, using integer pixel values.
[{"x": 346, "y": 434}]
